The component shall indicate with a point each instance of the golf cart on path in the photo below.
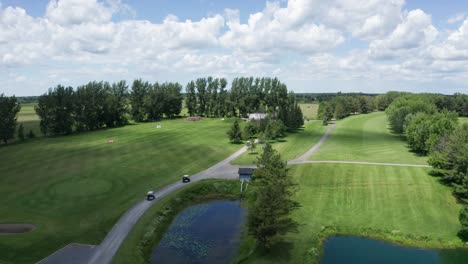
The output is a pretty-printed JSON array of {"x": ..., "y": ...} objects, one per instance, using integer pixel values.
[
  {"x": 150, "y": 196},
  {"x": 185, "y": 179}
]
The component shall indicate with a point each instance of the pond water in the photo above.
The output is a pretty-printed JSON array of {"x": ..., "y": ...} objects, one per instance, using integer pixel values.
[
  {"x": 203, "y": 233},
  {"x": 352, "y": 249}
]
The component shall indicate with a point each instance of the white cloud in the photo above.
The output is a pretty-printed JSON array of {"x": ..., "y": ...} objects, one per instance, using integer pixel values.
[
  {"x": 414, "y": 31},
  {"x": 81, "y": 40},
  {"x": 366, "y": 19},
  {"x": 456, "y": 18},
  {"x": 455, "y": 47},
  {"x": 277, "y": 28}
]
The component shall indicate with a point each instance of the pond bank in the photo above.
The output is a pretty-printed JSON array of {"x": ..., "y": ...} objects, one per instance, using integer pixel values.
[
  {"x": 359, "y": 250},
  {"x": 150, "y": 229},
  {"x": 204, "y": 233}
]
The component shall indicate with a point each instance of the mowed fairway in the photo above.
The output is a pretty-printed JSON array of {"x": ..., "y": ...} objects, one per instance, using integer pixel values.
[
  {"x": 74, "y": 188},
  {"x": 290, "y": 147},
  {"x": 366, "y": 138},
  {"x": 396, "y": 203}
]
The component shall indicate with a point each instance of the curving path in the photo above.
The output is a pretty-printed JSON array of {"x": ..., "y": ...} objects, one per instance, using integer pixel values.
[{"x": 103, "y": 253}]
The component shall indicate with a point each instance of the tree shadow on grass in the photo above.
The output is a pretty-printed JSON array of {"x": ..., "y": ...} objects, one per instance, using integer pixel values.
[{"x": 278, "y": 252}]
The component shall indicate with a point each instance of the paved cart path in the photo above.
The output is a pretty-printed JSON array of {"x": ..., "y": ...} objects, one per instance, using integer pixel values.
[{"x": 103, "y": 253}]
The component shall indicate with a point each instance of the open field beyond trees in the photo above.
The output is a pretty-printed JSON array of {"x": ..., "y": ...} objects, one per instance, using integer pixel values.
[
  {"x": 75, "y": 188},
  {"x": 366, "y": 138},
  {"x": 290, "y": 147},
  {"x": 309, "y": 110},
  {"x": 30, "y": 120},
  {"x": 400, "y": 204}
]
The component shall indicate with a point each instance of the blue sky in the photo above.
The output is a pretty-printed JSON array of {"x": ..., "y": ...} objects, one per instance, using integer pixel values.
[{"x": 313, "y": 46}]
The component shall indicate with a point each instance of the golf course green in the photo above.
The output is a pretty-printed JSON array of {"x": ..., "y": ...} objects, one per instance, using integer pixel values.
[
  {"x": 74, "y": 188},
  {"x": 366, "y": 138}
]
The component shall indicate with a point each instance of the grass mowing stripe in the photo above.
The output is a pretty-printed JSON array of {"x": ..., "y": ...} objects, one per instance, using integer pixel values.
[
  {"x": 74, "y": 188},
  {"x": 366, "y": 138},
  {"x": 392, "y": 203}
]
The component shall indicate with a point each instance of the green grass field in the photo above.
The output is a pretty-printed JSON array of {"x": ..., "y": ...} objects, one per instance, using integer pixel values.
[
  {"x": 74, "y": 188},
  {"x": 309, "y": 111},
  {"x": 366, "y": 138},
  {"x": 30, "y": 120},
  {"x": 463, "y": 120},
  {"x": 294, "y": 145},
  {"x": 400, "y": 204}
]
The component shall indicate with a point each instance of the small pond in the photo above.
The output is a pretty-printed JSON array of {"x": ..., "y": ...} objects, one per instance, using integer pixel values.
[
  {"x": 352, "y": 249},
  {"x": 203, "y": 233}
]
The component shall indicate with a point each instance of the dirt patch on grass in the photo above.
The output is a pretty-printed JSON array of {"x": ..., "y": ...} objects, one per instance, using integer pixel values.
[
  {"x": 193, "y": 119},
  {"x": 16, "y": 228}
]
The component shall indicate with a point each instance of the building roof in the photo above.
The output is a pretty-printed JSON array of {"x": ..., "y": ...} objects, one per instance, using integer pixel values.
[
  {"x": 257, "y": 116},
  {"x": 244, "y": 171}
]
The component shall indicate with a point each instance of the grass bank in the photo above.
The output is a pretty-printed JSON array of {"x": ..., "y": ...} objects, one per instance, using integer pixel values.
[
  {"x": 74, "y": 188},
  {"x": 150, "y": 229},
  {"x": 366, "y": 138}
]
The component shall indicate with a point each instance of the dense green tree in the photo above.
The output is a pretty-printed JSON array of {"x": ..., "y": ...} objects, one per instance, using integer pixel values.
[
  {"x": 56, "y": 110},
  {"x": 202, "y": 97},
  {"x": 9, "y": 108},
  {"x": 139, "y": 92},
  {"x": 382, "y": 101},
  {"x": 191, "y": 99},
  {"x": 154, "y": 102},
  {"x": 450, "y": 156},
  {"x": 269, "y": 212},
  {"x": 90, "y": 106},
  {"x": 235, "y": 133},
  {"x": 116, "y": 105},
  {"x": 172, "y": 99},
  {"x": 402, "y": 107}
]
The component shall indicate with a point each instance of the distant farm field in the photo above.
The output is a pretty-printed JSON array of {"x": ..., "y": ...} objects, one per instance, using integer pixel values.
[
  {"x": 309, "y": 111},
  {"x": 290, "y": 147},
  {"x": 366, "y": 138},
  {"x": 74, "y": 188},
  {"x": 30, "y": 120},
  {"x": 401, "y": 204}
]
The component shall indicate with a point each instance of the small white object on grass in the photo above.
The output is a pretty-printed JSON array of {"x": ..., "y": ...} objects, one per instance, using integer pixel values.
[
  {"x": 222, "y": 119},
  {"x": 158, "y": 126}
]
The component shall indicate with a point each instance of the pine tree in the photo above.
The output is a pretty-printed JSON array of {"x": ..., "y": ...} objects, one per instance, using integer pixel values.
[
  {"x": 269, "y": 215},
  {"x": 21, "y": 132},
  {"x": 31, "y": 134},
  {"x": 235, "y": 133}
]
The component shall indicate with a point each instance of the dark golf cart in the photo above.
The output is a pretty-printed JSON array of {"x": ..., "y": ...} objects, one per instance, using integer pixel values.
[
  {"x": 150, "y": 196},
  {"x": 185, "y": 179}
]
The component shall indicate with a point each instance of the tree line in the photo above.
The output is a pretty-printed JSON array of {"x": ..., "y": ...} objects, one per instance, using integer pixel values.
[
  {"x": 341, "y": 106},
  {"x": 95, "y": 105},
  {"x": 209, "y": 97},
  {"x": 430, "y": 126}
]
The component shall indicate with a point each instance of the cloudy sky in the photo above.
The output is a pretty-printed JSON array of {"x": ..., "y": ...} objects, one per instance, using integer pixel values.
[{"x": 312, "y": 45}]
